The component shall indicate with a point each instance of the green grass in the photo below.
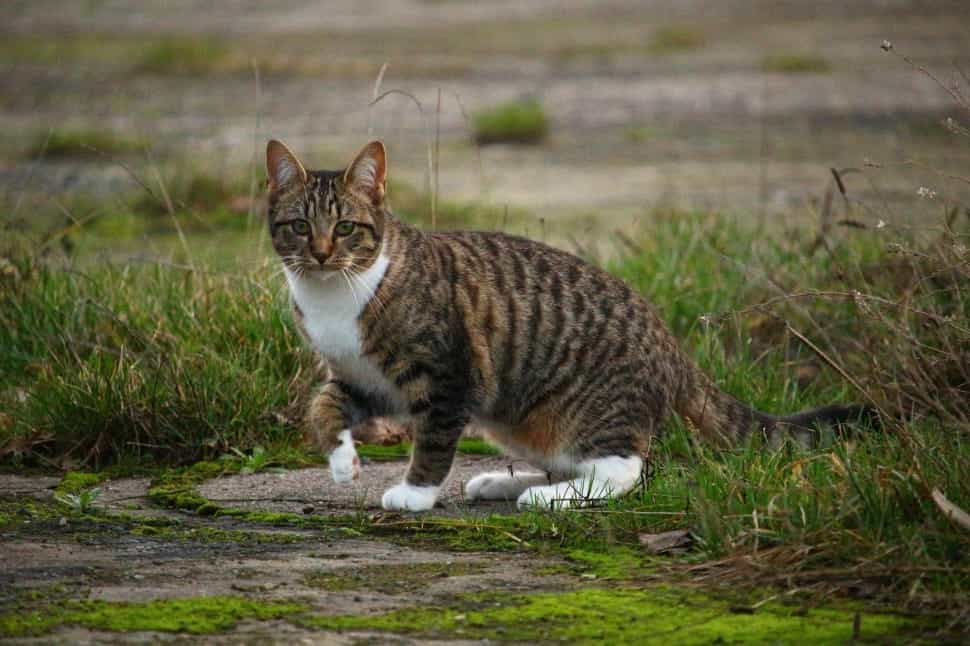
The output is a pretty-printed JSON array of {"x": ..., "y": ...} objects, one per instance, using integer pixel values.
[
  {"x": 82, "y": 143},
  {"x": 183, "y": 56},
  {"x": 519, "y": 122},
  {"x": 151, "y": 362},
  {"x": 675, "y": 38},
  {"x": 796, "y": 63}
]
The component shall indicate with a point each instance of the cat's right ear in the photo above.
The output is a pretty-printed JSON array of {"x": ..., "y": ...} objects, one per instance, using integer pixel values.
[{"x": 282, "y": 166}]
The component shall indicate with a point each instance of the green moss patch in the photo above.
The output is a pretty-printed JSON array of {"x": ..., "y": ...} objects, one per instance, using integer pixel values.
[
  {"x": 390, "y": 579},
  {"x": 201, "y": 615},
  {"x": 657, "y": 615},
  {"x": 75, "y": 482}
]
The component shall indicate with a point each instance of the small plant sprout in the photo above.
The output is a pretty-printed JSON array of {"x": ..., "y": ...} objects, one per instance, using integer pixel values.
[
  {"x": 81, "y": 502},
  {"x": 256, "y": 461}
]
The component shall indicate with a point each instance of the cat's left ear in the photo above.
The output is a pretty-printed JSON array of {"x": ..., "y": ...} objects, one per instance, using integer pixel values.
[
  {"x": 367, "y": 174},
  {"x": 282, "y": 166}
]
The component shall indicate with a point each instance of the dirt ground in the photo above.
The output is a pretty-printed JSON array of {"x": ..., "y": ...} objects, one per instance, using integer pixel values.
[
  {"x": 110, "y": 562},
  {"x": 639, "y": 118}
]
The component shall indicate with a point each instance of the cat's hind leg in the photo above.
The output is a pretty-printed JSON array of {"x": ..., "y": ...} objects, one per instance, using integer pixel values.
[
  {"x": 503, "y": 485},
  {"x": 599, "y": 478}
]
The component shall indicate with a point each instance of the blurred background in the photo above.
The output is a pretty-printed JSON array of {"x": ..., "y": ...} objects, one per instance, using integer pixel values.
[{"x": 562, "y": 119}]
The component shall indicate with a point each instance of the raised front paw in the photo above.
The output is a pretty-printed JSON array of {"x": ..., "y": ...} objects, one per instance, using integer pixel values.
[
  {"x": 344, "y": 463},
  {"x": 406, "y": 497}
]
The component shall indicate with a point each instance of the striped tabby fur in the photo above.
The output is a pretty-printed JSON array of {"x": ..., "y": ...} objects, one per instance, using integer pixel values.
[{"x": 562, "y": 363}]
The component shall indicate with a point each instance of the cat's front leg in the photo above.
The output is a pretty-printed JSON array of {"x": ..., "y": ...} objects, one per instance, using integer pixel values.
[
  {"x": 336, "y": 408},
  {"x": 436, "y": 435}
]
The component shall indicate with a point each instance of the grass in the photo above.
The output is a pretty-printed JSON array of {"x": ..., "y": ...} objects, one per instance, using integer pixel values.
[
  {"x": 675, "y": 38},
  {"x": 82, "y": 143},
  {"x": 183, "y": 56},
  {"x": 795, "y": 63},
  {"x": 519, "y": 122}
]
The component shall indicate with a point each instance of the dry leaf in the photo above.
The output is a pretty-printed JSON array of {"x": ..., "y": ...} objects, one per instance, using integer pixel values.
[
  {"x": 951, "y": 511},
  {"x": 677, "y": 540}
]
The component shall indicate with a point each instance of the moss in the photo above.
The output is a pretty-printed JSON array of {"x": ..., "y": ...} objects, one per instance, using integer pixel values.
[
  {"x": 594, "y": 615},
  {"x": 214, "y": 535},
  {"x": 618, "y": 562},
  {"x": 199, "y": 615},
  {"x": 390, "y": 579},
  {"x": 16, "y": 512},
  {"x": 75, "y": 482},
  {"x": 175, "y": 488}
]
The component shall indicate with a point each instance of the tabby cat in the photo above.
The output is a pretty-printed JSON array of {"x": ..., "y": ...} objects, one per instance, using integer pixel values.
[{"x": 563, "y": 364}]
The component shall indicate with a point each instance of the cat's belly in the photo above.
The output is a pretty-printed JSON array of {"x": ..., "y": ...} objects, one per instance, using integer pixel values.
[{"x": 543, "y": 455}]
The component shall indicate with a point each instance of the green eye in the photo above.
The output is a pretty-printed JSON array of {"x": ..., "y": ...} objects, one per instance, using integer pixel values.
[
  {"x": 300, "y": 227},
  {"x": 344, "y": 228}
]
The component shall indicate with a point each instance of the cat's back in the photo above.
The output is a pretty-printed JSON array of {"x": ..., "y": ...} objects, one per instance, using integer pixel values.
[{"x": 518, "y": 265}]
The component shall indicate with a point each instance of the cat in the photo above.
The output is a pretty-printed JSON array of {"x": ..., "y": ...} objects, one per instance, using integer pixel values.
[{"x": 565, "y": 365}]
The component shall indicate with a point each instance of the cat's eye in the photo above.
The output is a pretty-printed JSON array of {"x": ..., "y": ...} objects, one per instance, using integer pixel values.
[
  {"x": 300, "y": 227},
  {"x": 344, "y": 228}
]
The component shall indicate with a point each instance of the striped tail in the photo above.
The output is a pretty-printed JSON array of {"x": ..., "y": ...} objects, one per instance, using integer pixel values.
[{"x": 724, "y": 421}]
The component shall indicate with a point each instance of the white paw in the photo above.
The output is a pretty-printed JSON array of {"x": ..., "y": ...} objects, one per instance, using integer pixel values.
[
  {"x": 481, "y": 486},
  {"x": 405, "y": 497},
  {"x": 501, "y": 486},
  {"x": 344, "y": 463}
]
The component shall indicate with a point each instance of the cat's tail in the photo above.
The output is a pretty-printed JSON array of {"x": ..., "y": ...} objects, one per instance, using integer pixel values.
[{"x": 726, "y": 421}]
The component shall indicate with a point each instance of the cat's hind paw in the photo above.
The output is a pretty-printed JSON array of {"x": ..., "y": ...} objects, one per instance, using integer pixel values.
[
  {"x": 344, "y": 462},
  {"x": 500, "y": 485},
  {"x": 406, "y": 497}
]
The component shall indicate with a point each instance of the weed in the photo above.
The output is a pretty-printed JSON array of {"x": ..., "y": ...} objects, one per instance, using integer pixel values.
[
  {"x": 254, "y": 462},
  {"x": 81, "y": 502},
  {"x": 520, "y": 122}
]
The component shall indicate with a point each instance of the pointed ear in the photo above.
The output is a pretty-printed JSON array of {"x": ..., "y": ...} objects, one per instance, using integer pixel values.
[
  {"x": 282, "y": 166},
  {"x": 368, "y": 172}
]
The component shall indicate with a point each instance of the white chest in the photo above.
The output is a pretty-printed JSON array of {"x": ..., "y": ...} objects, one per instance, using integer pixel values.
[{"x": 331, "y": 308}]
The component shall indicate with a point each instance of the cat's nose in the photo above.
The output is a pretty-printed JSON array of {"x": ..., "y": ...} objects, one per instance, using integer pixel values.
[{"x": 320, "y": 250}]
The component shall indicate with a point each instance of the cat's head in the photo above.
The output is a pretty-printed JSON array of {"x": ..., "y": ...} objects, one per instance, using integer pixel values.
[{"x": 323, "y": 222}]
